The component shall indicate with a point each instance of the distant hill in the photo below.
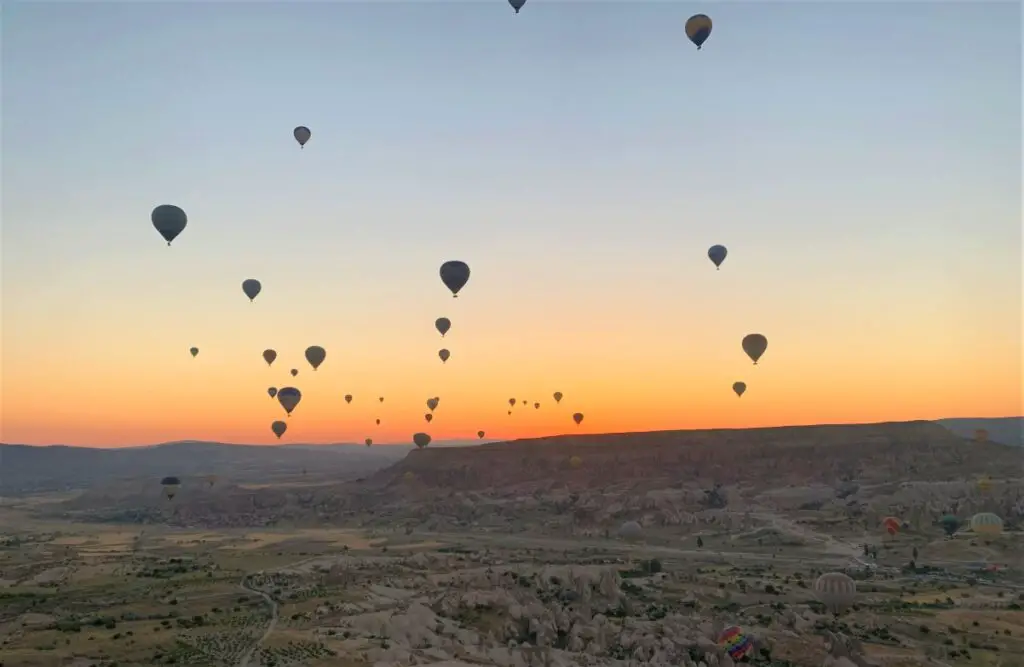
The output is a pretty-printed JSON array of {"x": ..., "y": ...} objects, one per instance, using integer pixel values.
[
  {"x": 28, "y": 469},
  {"x": 1004, "y": 430}
]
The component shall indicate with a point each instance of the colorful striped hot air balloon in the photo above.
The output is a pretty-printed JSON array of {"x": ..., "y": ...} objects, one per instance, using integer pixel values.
[
  {"x": 836, "y": 591},
  {"x": 986, "y": 523},
  {"x": 735, "y": 642}
]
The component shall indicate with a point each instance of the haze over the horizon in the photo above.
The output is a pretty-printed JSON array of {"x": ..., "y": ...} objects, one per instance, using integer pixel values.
[{"x": 581, "y": 157}]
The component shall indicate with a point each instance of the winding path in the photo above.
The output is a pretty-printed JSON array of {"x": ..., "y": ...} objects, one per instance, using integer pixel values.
[{"x": 244, "y": 661}]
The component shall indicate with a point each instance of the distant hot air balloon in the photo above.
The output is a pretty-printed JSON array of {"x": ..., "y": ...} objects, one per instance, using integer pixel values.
[
  {"x": 524, "y": 401},
  {"x": 432, "y": 403},
  {"x": 269, "y": 356},
  {"x": 302, "y": 135},
  {"x": 737, "y": 644},
  {"x": 378, "y": 422},
  {"x": 381, "y": 399},
  {"x": 985, "y": 484},
  {"x": 698, "y": 29},
  {"x": 429, "y": 417},
  {"x": 455, "y": 275},
  {"x": 510, "y": 412},
  {"x": 272, "y": 391},
  {"x": 421, "y": 440},
  {"x": 369, "y": 441},
  {"x": 716, "y": 254},
  {"x": 578, "y": 417},
  {"x": 194, "y": 351},
  {"x": 251, "y": 287},
  {"x": 315, "y": 355},
  {"x": 836, "y": 591},
  {"x": 739, "y": 387},
  {"x": 754, "y": 345},
  {"x": 950, "y": 524},
  {"x": 557, "y": 396},
  {"x": 442, "y": 324},
  {"x": 891, "y": 525},
  {"x": 480, "y": 434},
  {"x": 986, "y": 523},
  {"x": 536, "y": 406},
  {"x": 517, "y": 4},
  {"x": 294, "y": 372},
  {"x": 289, "y": 398},
  {"x": 631, "y": 531},
  {"x": 170, "y": 485},
  {"x": 444, "y": 354},
  {"x": 348, "y": 398},
  {"x": 169, "y": 221},
  {"x": 575, "y": 462},
  {"x": 279, "y": 427},
  {"x": 512, "y": 402}
]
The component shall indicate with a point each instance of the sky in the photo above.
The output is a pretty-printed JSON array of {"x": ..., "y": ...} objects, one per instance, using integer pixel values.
[{"x": 863, "y": 167}]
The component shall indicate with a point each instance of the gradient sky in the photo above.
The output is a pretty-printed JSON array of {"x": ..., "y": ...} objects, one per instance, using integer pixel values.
[{"x": 862, "y": 164}]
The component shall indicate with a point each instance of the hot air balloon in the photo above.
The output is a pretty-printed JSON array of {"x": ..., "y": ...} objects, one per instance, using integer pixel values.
[
  {"x": 950, "y": 524},
  {"x": 279, "y": 427},
  {"x": 169, "y": 221},
  {"x": 381, "y": 399},
  {"x": 444, "y": 354},
  {"x": 315, "y": 355},
  {"x": 836, "y": 591},
  {"x": 631, "y": 531},
  {"x": 269, "y": 356},
  {"x": 891, "y": 525},
  {"x": 429, "y": 417},
  {"x": 480, "y": 434},
  {"x": 739, "y": 387},
  {"x": 536, "y": 406},
  {"x": 289, "y": 397},
  {"x": 294, "y": 372},
  {"x": 170, "y": 485},
  {"x": 985, "y": 484},
  {"x": 378, "y": 422},
  {"x": 716, "y": 254},
  {"x": 432, "y": 403},
  {"x": 517, "y": 4},
  {"x": 557, "y": 396},
  {"x": 302, "y": 135},
  {"x": 251, "y": 287},
  {"x": 369, "y": 441},
  {"x": 272, "y": 391},
  {"x": 348, "y": 398},
  {"x": 735, "y": 642},
  {"x": 510, "y": 412},
  {"x": 455, "y": 275},
  {"x": 578, "y": 417},
  {"x": 442, "y": 324},
  {"x": 986, "y": 523},
  {"x": 194, "y": 351},
  {"x": 421, "y": 440},
  {"x": 575, "y": 462},
  {"x": 512, "y": 402},
  {"x": 698, "y": 29},
  {"x": 754, "y": 345}
]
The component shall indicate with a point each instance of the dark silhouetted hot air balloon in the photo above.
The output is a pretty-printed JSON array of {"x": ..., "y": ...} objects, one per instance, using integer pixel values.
[
  {"x": 170, "y": 486},
  {"x": 269, "y": 356},
  {"x": 251, "y": 287},
  {"x": 429, "y": 417},
  {"x": 739, "y": 387},
  {"x": 578, "y": 418},
  {"x": 444, "y": 354},
  {"x": 480, "y": 434},
  {"x": 272, "y": 391},
  {"x": 315, "y": 355},
  {"x": 557, "y": 396},
  {"x": 369, "y": 441},
  {"x": 455, "y": 275},
  {"x": 194, "y": 351},
  {"x": 698, "y": 29},
  {"x": 716, "y": 254},
  {"x": 294, "y": 372},
  {"x": 279, "y": 427},
  {"x": 442, "y": 324},
  {"x": 348, "y": 398},
  {"x": 169, "y": 221},
  {"x": 302, "y": 135},
  {"x": 289, "y": 398},
  {"x": 517, "y": 4},
  {"x": 754, "y": 345},
  {"x": 421, "y": 440}
]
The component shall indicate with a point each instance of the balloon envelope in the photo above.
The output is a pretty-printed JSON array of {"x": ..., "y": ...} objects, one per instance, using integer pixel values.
[
  {"x": 480, "y": 434},
  {"x": 272, "y": 391},
  {"x": 442, "y": 324},
  {"x": 421, "y": 440},
  {"x": 432, "y": 403},
  {"x": 194, "y": 351},
  {"x": 557, "y": 396},
  {"x": 836, "y": 590},
  {"x": 739, "y": 387},
  {"x": 512, "y": 402},
  {"x": 279, "y": 427},
  {"x": 348, "y": 398},
  {"x": 754, "y": 345},
  {"x": 294, "y": 372},
  {"x": 986, "y": 523},
  {"x": 517, "y": 4},
  {"x": 578, "y": 417},
  {"x": 698, "y": 29},
  {"x": 455, "y": 275},
  {"x": 289, "y": 398},
  {"x": 269, "y": 356},
  {"x": 444, "y": 354},
  {"x": 315, "y": 355},
  {"x": 369, "y": 441},
  {"x": 169, "y": 220},
  {"x": 717, "y": 253},
  {"x": 736, "y": 643},
  {"x": 631, "y": 531},
  {"x": 429, "y": 417},
  {"x": 251, "y": 287},
  {"x": 301, "y": 134}
]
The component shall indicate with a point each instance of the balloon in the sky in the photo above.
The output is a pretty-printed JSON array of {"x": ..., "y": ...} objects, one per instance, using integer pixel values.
[
  {"x": 348, "y": 398},
  {"x": 512, "y": 402},
  {"x": 378, "y": 422},
  {"x": 717, "y": 253},
  {"x": 369, "y": 441},
  {"x": 455, "y": 275},
  {"x": 557, "y": 396},
  {"x": 170, "y": 485},
  {"x": 739, "y": 387},
  {"x": 735, "y": 642},
  {"x": 381, "y": 399},
  {"x": 194, "y": 351},
  {"x": 986, "y": 523},
  {"x": 315, "y": 355},
  {"x": 480, "y": 434},
  {"x": 517, "y": 4},
  {"x": 169, "y": 221},
  {"x": 524, "y": 401},
  {"x": 279, "y": 427},
  {"x": 891, "y": 525},
  {"x": 536, "y": 406},
  {"x": 269, "y": 356},
  {"x": 429, "y": 417},
  {"x": 251, "y": 287},
  {"x": 575, "y": 462},
  {"x": 442, "y": 324},
  {"x": 272, "y": 391},
  {"x": 432, "y": 403},
  {"x": 754, "y": 345},
  {"x": 289, "y": 397},
  {"x": 578, "y": 417},
  {"x": 631, "y": 531},
  {"x": 444, "y": 354},
  {"x": 698, "y": 29},
  {"x": 421, "y": 440},
  {"x": 302, "y": 135},
  {"x": 510, "y": 412},
  {"x": 836, "y": 591},
  {"x": 294, "y": 372}
]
